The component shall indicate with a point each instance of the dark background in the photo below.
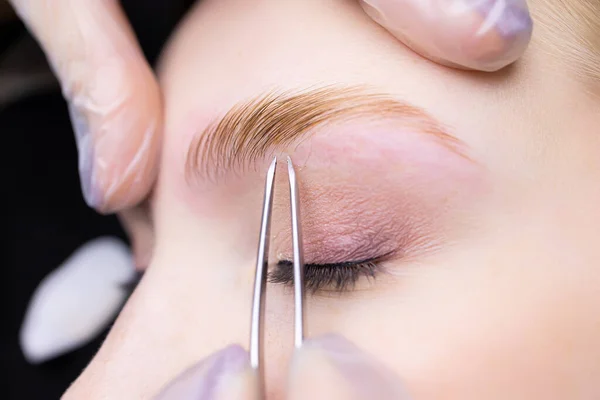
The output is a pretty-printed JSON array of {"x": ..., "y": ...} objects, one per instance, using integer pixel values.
[{"x": 44, "y": 218}]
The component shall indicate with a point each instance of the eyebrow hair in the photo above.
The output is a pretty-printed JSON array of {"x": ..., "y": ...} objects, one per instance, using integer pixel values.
[{"x": 252, "y": 130}]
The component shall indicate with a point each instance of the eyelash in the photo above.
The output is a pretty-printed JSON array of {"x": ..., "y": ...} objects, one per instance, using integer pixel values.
[{"x": 338, "y": 277}]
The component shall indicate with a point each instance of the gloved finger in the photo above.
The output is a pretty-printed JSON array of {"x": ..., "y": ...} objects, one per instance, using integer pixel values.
[
  {"x": 138, "y": 225},
  {"x": 331, "y": 367},
  {"x": 484, "y": 35},
  {"x": 113, "y": 96},
  {"x": 225, "y": 375}
]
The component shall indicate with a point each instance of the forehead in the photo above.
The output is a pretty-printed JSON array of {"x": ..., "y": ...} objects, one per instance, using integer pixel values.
[
  {"x": 212, "y": 66},
  {"x": 298, "y": 45},
  {"x": 569, "y": 31}
]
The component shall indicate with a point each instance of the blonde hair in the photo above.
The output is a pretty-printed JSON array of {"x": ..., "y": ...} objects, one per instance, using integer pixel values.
[{"x": 572, "y": 30}]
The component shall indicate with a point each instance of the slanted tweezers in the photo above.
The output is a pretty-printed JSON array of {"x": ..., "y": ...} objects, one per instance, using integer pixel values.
[{"x": 262, "y": 262}]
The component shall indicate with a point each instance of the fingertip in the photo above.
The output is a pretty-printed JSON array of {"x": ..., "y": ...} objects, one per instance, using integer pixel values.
[
  {"x": 137, "y": 223},
  {"x": 114, "y": 98},
  {"x": 118, "y": 131},
  {"x": 224, "y": 375},
  {"x": 333, "y": 365},
  {"x": 484, "y": 35}
]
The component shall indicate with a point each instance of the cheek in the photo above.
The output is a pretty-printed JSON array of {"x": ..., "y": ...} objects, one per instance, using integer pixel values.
[{"x": 486, "y": 326}]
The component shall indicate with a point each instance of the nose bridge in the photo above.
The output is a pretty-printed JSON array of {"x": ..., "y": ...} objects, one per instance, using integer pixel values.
[{"x": 279, "y": 339}]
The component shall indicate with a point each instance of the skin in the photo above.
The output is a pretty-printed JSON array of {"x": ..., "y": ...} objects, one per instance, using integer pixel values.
[
  {"x": 116, "y": 104},
  {"x": 506, "y": 308}
]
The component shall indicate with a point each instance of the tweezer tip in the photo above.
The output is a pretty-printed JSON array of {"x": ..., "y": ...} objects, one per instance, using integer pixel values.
[
  {"x": 271, "y": 169},
  {"x": 290, "y": 164}
]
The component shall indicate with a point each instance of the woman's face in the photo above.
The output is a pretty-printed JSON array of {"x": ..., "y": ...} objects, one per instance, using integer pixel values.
[{"x": 467, "y": 204}]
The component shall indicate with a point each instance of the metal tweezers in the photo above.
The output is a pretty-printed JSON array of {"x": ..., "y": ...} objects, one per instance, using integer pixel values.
[{"x": 262, "y": 262}]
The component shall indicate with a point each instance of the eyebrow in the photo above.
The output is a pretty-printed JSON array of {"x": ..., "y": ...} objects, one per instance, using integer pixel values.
[{"x": 255, "y": 129}]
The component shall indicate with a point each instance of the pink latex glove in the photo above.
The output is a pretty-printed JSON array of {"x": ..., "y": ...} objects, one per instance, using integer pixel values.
[
  {"x": 113, "y": 95},
  {"x": 484, "y": 35},
  {"x": 329, "y": 367},
  {"x": 115, "y": 100}
]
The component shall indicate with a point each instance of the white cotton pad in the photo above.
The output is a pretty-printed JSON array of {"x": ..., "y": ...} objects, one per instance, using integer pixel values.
[{"x": 76, "y": 301}]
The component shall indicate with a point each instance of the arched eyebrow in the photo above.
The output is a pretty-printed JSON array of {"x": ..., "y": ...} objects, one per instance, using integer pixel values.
[{"x": 252, "y": 131}]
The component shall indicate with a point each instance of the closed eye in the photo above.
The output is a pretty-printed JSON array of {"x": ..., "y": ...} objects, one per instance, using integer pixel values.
[{"x": 337, "y": 277}]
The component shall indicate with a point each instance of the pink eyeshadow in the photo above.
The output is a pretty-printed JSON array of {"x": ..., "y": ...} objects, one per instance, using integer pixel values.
[{"x": 368, "y": 191}]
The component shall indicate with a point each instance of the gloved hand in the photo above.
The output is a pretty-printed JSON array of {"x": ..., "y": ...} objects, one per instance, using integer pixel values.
[
  {"x": 484, "y": 35},
  {"x": 329, "y": 367},
  {"x": 115, "y": 100},
  {"x": 113, "y": 95}
]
